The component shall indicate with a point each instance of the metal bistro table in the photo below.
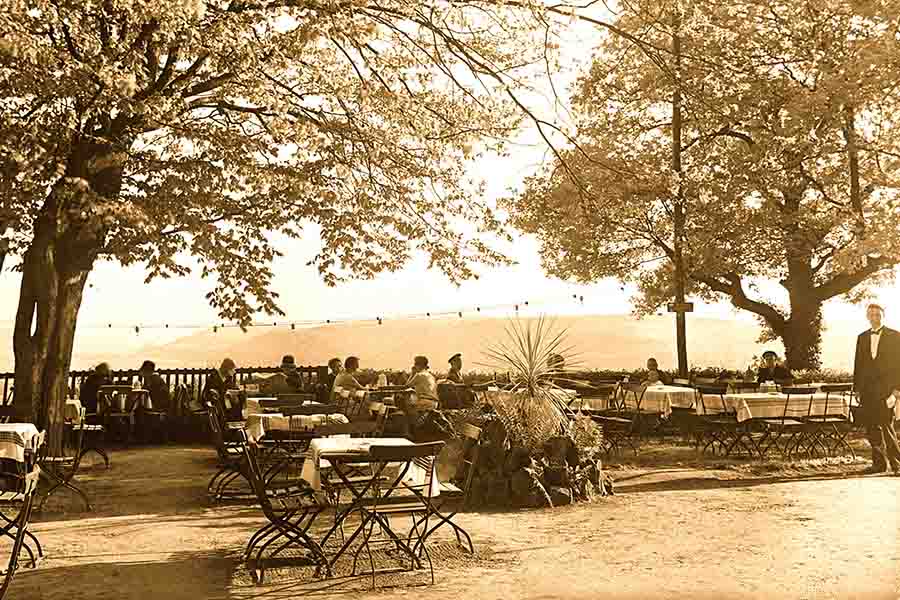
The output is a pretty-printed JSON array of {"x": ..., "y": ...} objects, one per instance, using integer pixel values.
[
  {"x": 119, "y": 403},
  {"x": 345, "y": 456}
]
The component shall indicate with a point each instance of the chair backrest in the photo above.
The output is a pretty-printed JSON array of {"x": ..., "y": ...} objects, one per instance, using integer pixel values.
[
  {"x": 354, "y": 428},
  {"x": 310, "y": 409},
  {"x": 745, "y": 386},
  {"x": 381, "y": 411},
  {"x": 837, "y": 389},
  {"x": 712, "y": 391},
  {"x": 7, "y": 413},
  {"x": 705, "y": 381},
  {"x": 472, "y": 438},
  {"x": 794, "y": 391},
  {"x": 680, "y": 382},
  {"x": 295, "y": 398},
  {"x": 215, "y": 427},
  {"x": 411, "y": 452},
  {"x": 637, "y": 390}
]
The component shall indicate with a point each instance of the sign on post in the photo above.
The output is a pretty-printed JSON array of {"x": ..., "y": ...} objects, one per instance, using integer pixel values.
[{"x": 681, "y": 308}]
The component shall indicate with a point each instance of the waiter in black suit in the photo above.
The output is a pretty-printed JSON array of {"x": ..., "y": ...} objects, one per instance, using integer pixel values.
[{"x": 876, "y": 376}]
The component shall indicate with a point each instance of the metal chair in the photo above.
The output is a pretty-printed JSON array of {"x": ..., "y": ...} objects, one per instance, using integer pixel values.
[
  {"x": 290, "y": 511},
  {"x": 114, "y": 412},
  {"x": 18, "y": 486},
  {"x": 459, "y": 494},
  {"x": 397, "y": 497},
  {"x": 793, "y": 431},
  {"x": 720, "y": 428},
  {"x": 833, "y": 425}
]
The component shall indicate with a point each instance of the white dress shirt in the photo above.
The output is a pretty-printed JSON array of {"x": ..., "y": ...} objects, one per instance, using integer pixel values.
[{"x": 874, "y": 338}]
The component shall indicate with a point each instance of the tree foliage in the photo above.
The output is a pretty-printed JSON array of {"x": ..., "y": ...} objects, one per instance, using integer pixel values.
[
  {"x": 150, "y": 131},
  {"x": 224, "y": 121},
  {"x": 790, "y": 151}
]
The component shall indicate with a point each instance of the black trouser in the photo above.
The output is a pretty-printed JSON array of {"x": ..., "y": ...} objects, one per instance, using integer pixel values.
[{"x": 883, "y": 440}]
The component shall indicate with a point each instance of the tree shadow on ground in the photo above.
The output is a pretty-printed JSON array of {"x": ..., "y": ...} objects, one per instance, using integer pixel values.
[
  {"x": 181, "y": 576},
  {"x": 712, "y": 483}
]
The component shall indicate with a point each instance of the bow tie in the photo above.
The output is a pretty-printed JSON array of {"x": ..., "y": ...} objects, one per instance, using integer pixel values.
[{"x": 877, "y": 331}]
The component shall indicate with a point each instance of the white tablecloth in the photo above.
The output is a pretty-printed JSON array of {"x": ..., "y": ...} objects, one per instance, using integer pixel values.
[
  {"x": 320, "y": 448},
  {"x": 14, "y": 438},
  {"x": 258, "y": 424},
  {"x": 662, "y": 398},
  {"x": 772, "y": 405}
]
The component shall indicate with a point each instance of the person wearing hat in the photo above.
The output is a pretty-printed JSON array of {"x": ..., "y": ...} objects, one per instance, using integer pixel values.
[
  {"x": 771, "y": 370},
  {"x": 286, "y": 382},
  {"x": 455, "y": 374},
  {"x": 876, "y": 378}
]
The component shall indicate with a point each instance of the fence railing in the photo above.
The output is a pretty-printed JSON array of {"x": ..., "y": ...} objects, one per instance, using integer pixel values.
[{"x": 194, "y": 379}]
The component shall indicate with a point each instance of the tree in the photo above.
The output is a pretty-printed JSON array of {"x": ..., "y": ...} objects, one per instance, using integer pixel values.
[
  {"x": 146, "y": 131},
  {"x": 790, "y": 153}
]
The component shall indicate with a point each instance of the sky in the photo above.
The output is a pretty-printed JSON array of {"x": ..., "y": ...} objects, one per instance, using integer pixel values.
[{"x": 119, "y": 296}]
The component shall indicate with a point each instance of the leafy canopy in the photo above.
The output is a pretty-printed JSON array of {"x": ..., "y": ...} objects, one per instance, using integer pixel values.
[
  {"x": 223, "y": 122},
  {"x": 790, "y": 152}
]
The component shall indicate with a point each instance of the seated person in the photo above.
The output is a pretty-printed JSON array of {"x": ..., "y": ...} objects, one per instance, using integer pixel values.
[
  {"x": 346, "y": 379},
  {"x": 424, "y": 383},
  {"x": 455, "y": 373},
  {"x": 654, "y": 375},
  {"x": 156, "y": 385},
  {"x": 220, "y": 381},
  {"x": 771, "y": 370},
  {"x": 334, "y": 369},
  {"x": 90, "y": 387},
  {"x": 286, "y": 382}
]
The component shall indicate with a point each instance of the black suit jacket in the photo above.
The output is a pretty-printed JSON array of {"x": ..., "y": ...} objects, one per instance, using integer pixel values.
[{"x": 876, "y": 379}]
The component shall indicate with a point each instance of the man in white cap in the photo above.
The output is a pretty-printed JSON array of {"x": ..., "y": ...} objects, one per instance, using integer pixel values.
[{"x": 876, "y": 377}]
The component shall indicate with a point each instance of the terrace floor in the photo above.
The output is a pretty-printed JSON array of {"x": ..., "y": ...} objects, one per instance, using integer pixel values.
[{"x": 678, "y": 527}]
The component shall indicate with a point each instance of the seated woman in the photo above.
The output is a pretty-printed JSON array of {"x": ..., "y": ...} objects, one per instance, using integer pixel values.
[
  {"x": 654, "y": 375},
  {"x": 426, "y": 396},
  {"x": 771, "y": 370},
  {"x": 346, "y": 379}
]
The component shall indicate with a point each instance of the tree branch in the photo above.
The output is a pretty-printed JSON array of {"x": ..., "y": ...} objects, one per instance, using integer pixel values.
[
  {"x": 845, "y": 282},
  {"x": 734, "y": 288}
]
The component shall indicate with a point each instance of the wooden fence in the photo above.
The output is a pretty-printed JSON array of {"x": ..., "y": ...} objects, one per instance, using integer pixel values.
[{"x": 194, "y": 379}]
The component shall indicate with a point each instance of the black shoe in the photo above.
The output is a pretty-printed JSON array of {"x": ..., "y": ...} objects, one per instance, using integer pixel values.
[{"x": 873, "y": 470}]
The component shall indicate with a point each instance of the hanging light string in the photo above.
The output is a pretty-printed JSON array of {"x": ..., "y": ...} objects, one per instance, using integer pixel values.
[{"x": 375, "y": 320}]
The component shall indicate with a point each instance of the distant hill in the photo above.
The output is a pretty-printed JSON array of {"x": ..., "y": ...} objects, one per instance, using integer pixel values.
[{"x": 604, "y": 342}]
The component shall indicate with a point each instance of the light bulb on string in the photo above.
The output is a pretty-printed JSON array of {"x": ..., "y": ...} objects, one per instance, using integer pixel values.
[
  {"x": 137, "y": 329},
  {"x": 293, "y": 326},
  {"x": 460, "y": 314}
]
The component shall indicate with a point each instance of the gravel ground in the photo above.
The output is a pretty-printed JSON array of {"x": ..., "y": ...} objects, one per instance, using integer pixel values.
[{"x": 678, "y": 527}]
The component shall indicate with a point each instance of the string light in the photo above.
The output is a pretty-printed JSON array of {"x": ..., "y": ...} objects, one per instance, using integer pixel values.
[{"x": 293, "y": 324}]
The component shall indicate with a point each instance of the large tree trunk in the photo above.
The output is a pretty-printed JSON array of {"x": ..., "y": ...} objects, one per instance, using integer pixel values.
[
  {"x": 54, "y": 272},
  {"x": 803, "y": 337},
  {"x": 49, "y": 300}
]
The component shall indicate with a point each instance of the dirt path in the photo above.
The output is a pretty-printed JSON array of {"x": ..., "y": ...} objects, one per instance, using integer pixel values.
[{"x": 668, "y": 533}]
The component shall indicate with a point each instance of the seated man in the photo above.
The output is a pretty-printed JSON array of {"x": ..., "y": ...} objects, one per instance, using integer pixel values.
[
  {"x": 654, "y": 375},
  {"x": 156, "y": 385},
  {"x": 220, "y": 381},
  {"x": 286, "y": 382},
  {"x": 426, "y": 395},
  {"x": 771, "y": 370},
  {"x": 346, "y": 379},
  {"x": 455, "y": 374},
  {"x": 160, "y": 399},
  {"x": 90, "y": 388}
]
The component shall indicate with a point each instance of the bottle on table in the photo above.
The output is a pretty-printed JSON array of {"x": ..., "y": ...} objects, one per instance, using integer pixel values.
[{"x": 382, "y": 380}]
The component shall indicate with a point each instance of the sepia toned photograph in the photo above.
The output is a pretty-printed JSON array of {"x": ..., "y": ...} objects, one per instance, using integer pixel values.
[{"x": 446, "y": 299}]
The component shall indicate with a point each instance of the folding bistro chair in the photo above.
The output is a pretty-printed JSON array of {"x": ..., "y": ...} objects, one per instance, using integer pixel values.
[
  {"x": 743, "y": 387},
  {"x": 61, "y": 469},
  {"x": 18, "y": 485},
  {"x": 792, "y": 431},
  {"x": 290, "y": 511},
  {"x": 834, "y": 425},
  {"x": 394, "y": 497},
  {"x": 720, "y": 429},
  {"x": 458, "y": 494},
  {"x": 231, "y": 457}
]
